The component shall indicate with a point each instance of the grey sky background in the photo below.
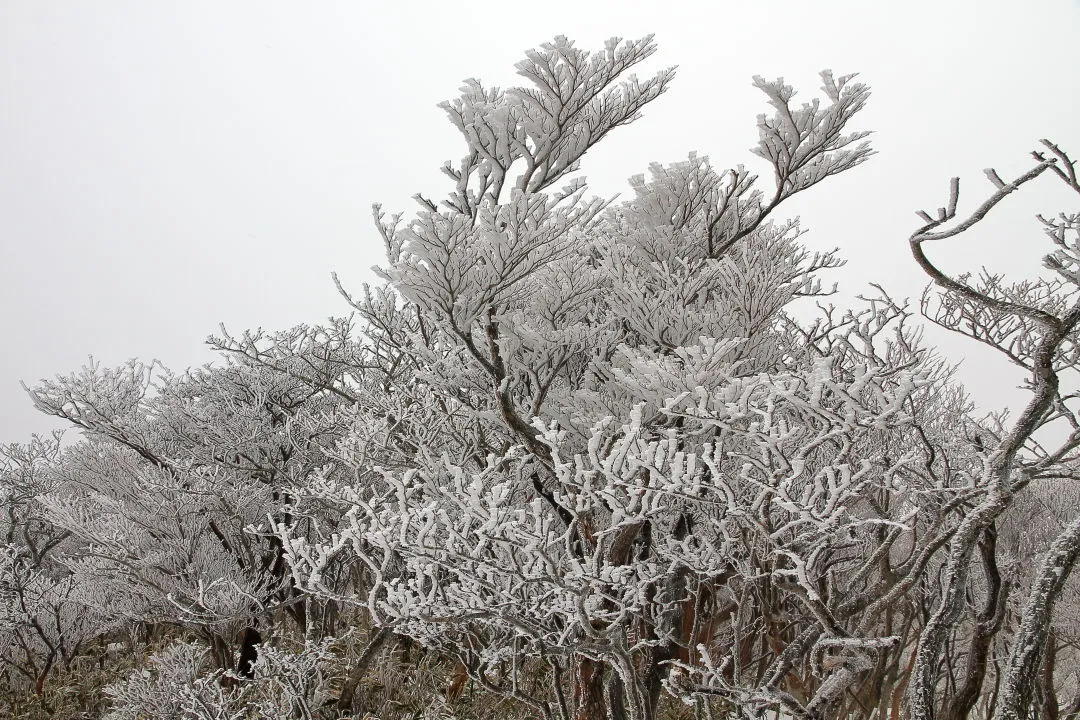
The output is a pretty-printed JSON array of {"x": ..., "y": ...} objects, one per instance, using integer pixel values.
[{"x": 168, "y": 166}]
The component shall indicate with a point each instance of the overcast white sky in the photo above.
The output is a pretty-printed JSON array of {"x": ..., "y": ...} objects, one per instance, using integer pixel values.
[{"x": 167, "y": 166}]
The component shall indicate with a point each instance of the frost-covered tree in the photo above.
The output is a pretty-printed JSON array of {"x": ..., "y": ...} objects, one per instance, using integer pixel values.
[
  {"x": 1034, "y": 324},
  {"x": 179, "y": 683},
  {"x": 42, "y": 626},
  {"x": 582, "y": 450},
  {"x": 644, "y": 466},
  {"x": 172, "y": 491},
  {"x": 613, "y": 459}
]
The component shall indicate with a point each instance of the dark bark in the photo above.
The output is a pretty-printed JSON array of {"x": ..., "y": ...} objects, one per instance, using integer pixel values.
[
  {"x": 1049, "y": 709},
  {"x": 1021, "y": 674},
  {"x": 249, "y": 652},
  {"x": 589, "y": 701},
  {"x": 987, "y": 624},
  {"x": 221, "y": 652},
  {"x": 998, "y": 480},
  {"x": 616, "y": 690}
]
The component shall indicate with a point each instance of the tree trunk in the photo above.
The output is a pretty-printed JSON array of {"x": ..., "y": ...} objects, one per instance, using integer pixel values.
[
  {"x": 1023, "y": 668},
  {"x": 221, "y": 652},
  {"x": 589, "y": 690},
  {"x": 987, "y": 623},
  {"x": 616, "y": 698},
  {"x": 1049, "y": 692},
  {"x": 356, "y": 672},
  {"x": 922, "y": 698}
]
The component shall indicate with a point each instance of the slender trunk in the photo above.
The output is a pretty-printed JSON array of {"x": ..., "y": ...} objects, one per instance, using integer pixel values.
[
  {"x": 288, "y": 594},
  {"x": 39, "y": 682},
  {"x": 557, "y": 678},
  {"x": 1020, "y": 675},
  {"x": 895, "y": 711},
  {"x": 1000, "y": 484},
  {"x": 616, "y": 698},
  {"x": 1049, "y": 693},
  {"x": 221, "y": 651},
  {"x": 987, "y": 623},
  {"x": 922, "y": 698},
  {"x": 356, "y": 672}
]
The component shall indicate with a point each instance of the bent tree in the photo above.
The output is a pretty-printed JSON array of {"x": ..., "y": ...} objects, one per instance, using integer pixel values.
[{"x": 1034, "y": 324}]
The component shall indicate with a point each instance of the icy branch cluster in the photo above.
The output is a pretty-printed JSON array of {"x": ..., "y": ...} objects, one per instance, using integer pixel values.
[{"x": 579, "y": 455}]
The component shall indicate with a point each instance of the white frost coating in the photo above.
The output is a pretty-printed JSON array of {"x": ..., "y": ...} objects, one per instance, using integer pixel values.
[
  {"x": 629, "y": 427},
  {"x": 565, "y": 431}
]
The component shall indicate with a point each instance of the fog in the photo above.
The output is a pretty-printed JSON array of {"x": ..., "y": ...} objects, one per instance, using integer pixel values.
[{"x": 166, "y": 167}]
